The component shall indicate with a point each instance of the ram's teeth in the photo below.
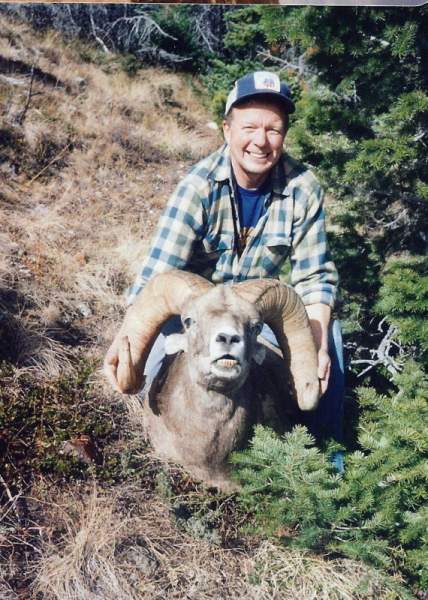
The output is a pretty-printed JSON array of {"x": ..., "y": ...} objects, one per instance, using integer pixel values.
[{"x": 227, "y": 362}]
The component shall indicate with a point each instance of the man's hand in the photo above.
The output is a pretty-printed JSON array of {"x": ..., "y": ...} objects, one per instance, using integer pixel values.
[
  {"x": 119, "y": 367},
  {"x": 324, "y": 365},
  {"x": 319, "y": 318}
]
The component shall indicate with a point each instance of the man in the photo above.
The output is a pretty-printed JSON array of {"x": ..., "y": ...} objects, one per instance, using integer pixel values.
[{"x": 239, "y": 214}]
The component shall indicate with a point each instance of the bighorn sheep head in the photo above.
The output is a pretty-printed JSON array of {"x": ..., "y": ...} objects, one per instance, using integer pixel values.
[
  {"x": 220, "y": 337},
  {"x": 228, "y": 336}
]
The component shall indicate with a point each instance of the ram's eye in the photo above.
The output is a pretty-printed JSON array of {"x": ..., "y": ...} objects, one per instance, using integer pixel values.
[
  {"x": 257, "y": 327},
  {"x": 187, "y": 322}
]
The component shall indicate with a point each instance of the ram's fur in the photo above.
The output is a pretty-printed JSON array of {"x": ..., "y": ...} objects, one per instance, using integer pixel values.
[{"x": 218, "y": 380}]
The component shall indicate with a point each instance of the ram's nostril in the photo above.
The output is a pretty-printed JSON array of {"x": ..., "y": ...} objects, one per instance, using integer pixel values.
[
  {"x": 222, "y": 338},
  {"x": 229, "y": 339}
]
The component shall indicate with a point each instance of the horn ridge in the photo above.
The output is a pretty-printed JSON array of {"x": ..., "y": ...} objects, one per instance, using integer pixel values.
[
  {"x": 282, "y": 309},
  {"x": 163, "y": 296}
]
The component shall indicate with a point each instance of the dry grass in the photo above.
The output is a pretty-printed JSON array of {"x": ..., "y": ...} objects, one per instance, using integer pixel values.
[
  {"x": 83, "y": 564},
  {"x": 97, "y": 158},
  {"x": 105, "y": 552},
  {"x": 289, "y": 575}
]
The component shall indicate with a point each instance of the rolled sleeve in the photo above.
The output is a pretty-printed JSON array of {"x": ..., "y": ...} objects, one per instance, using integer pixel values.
[
  {"x": 181, "y": 224},
  {"x": 313, "y": 273}
]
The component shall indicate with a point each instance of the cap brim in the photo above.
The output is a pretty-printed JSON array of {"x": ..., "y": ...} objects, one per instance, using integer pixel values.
[{"x": 287, "y": 103}]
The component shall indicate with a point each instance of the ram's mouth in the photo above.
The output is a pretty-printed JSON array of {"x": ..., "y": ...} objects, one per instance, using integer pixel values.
[
  {"x": 226, "y": 367},
  {"x": 226, "y": 362}
]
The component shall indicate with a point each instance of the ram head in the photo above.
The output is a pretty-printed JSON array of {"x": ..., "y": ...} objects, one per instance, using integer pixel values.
[{"x": 205, "y": 400}]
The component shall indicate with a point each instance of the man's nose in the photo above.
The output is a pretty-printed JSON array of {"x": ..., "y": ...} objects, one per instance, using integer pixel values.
[{"x": 260, "y": 137}]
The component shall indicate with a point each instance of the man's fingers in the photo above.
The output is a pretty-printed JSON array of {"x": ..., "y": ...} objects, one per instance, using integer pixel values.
[
  {"x": 324, "y": 365},
  {"x": 126, "y": 372},
  {"x": 125, "y": 351},
  {"x": 324, "y": 383},
  {"x": 119, "y": 368},
  {"x": 111, "y": 362},
  {"x": 110, "y": 371}
]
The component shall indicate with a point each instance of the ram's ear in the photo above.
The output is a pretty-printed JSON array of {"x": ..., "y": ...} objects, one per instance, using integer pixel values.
[
  {"x": 176, "y": 342},
  {"x": 259, "y": 354}
]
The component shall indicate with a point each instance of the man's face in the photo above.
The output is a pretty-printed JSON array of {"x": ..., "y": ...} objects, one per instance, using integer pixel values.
[{"x": 255, "y": 134}]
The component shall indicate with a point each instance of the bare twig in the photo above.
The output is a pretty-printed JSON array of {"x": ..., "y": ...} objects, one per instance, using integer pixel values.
[
  {"x": 300, "y": 66},
  {"x": 406, "y": 198},
  {"x": 55, "y": 158},
  {"x": 7, "y": 489},
  {"x": 382, "y": 355},
  {"x": 205, "y": 30},
  {"x": 94, "y": 32},
  {"x": 21, "y": 118},
  {"x": 138, "y": 28},
  {"x": 14, "y": 502}
]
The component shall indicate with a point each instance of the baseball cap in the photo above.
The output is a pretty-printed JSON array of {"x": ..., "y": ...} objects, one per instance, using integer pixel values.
[{"x": 260, "y": 82}]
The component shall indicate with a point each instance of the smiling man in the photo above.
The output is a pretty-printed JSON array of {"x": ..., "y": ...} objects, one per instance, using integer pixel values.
[
  {"x": 255, "y": 133},
  {"x": 239, "y": 214}
]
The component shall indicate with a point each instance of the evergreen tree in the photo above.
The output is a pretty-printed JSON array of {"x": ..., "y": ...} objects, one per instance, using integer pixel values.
[
  {"x": 378, "y": 511},
  {"x": 403, "y": 301}
]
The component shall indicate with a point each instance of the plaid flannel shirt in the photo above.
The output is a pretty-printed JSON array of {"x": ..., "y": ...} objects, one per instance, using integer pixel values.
[{"x": 197, "y": 233}]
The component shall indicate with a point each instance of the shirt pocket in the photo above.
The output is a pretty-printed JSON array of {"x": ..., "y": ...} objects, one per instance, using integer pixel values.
[
  {"x": 214, "y": 257},
  {"x": 275, "y": 251},
  {"x": 217, "y": 245}
]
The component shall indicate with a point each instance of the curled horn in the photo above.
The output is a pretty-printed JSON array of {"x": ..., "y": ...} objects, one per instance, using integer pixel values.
[
  {"x": 162, "y": 297},
  {"x": 282, "y": 309}
]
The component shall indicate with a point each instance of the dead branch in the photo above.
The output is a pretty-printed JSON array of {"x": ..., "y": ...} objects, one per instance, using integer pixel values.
[
  {"x": 6, "y": 488},
  {"x": 138, "y": 28},
  {"x": 15, "y": 503},
  {"x": 405, "y": 198},
  {"x": 55, "y": 158},
  {"x": 94, "y": 32},
  {"x": 383, "y": 354},
  {"x": 205, "y": 29},
  {"x": 12, "y": 80},
  {"x": 21, "y": 118},
  {"x": 284, "y": 64}
]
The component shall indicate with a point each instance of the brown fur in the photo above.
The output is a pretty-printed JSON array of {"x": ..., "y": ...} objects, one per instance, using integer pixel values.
[{"x": 199, "y": 428}]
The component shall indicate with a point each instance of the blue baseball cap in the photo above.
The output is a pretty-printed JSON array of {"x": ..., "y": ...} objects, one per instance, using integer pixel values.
[{"x": 260, "y": 82}]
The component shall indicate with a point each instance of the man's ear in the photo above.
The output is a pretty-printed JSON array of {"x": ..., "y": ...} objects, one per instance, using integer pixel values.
[
  {"x": 226, "y": 130},
  {"x": 176, "y": 342}
]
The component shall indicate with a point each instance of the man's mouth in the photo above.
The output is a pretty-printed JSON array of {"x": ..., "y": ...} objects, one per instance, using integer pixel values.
[{"x": 258, "y": 155}]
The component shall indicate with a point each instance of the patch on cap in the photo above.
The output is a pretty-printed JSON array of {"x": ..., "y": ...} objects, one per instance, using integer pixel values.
[
  {"x": 260, "y": 82},
  {"x": 267, "y": 81}
]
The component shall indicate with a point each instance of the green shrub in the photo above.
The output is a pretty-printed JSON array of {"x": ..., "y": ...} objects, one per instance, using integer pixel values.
[
  {"x": 37, "y": 418},
  {"x": 403, "y": 300},
  {"x": 377, "y": 511}
]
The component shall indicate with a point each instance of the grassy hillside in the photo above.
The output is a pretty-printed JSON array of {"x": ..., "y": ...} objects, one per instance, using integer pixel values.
[{"x": 88, "y": 157}]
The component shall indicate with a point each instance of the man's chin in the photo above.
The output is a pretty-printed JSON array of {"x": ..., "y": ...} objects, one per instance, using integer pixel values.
[{"x": 258, "y": 165}]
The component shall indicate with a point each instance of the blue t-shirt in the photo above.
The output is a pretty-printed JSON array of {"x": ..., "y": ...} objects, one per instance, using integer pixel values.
[{"x": 251, "y": 206}]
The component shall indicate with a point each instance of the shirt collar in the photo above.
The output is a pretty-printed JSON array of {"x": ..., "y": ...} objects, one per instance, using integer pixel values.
[{"x": 221, "y": 169}]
